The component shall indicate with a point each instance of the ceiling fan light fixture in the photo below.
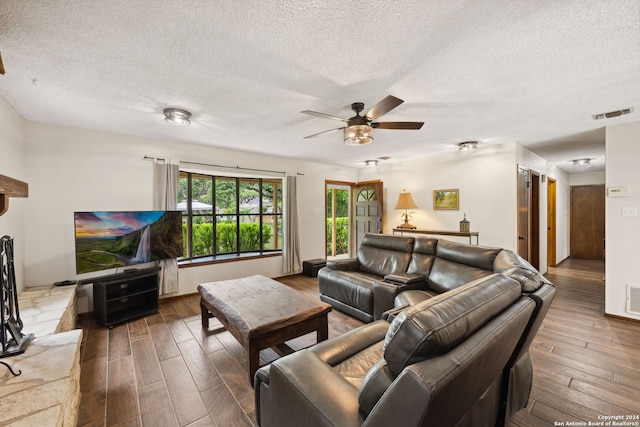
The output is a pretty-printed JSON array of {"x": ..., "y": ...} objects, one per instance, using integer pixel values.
[
  {"x": 468, "y": 146},
  {"x": 177, "y": 116},
  {"x": 358, "y": 135}
]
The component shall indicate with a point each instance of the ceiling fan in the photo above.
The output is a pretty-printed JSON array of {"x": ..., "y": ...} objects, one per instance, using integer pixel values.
[{"x": 359, "y": 129}]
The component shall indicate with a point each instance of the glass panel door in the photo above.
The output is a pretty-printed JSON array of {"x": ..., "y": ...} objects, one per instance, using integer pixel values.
[{"x": 338, "y": 220}]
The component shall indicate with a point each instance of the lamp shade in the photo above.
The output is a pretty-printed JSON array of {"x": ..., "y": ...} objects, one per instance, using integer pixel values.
[
  {"x": 358, "y": 135},
  {"x": 405, "y": 201}
]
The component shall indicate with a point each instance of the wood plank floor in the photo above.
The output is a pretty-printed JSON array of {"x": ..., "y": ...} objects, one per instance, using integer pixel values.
[{"x": 164, "y": 370}]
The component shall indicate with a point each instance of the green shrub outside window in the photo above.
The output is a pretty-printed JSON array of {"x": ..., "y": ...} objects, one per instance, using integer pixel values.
[{"x": 247, "y": 213}]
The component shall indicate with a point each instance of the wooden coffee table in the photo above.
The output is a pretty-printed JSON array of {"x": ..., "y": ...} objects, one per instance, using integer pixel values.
[{"x": 261, "y": 313}]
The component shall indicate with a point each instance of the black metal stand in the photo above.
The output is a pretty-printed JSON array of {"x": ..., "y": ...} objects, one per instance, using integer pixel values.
[
  {"x": 13, "y": 340},
  {"x": 11, "y": 369}
]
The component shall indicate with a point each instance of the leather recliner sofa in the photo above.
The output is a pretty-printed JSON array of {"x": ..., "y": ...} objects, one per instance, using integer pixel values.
[
  {"x": 391, "y": 276},
  {"x": 444, "y": 361},
  {"x": 386, "y": 266}
]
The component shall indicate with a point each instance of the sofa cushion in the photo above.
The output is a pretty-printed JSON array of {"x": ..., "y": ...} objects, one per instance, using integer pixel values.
[
  {"x": 382, "y": 254},
  {"x": 438, "y": 324},
  {"x": 412, "y": 297},
  {"x": 474, "y": 256},
  {"x": 424, "y": 252},
  {"x": 356, "y": 367},
  {"x": 447, "y": 275},
  {"x": 456, "y": 264}
]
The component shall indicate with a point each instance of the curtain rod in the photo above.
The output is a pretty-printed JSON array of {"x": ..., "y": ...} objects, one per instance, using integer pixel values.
[{"x": 219, "y": 166}]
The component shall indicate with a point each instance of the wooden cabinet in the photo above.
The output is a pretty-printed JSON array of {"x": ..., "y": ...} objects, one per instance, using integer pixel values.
[{"x": 123, "y": 296}]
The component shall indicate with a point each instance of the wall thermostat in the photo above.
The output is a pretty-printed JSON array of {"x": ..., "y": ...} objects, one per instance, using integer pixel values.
[{"x": 621, "y": 191}]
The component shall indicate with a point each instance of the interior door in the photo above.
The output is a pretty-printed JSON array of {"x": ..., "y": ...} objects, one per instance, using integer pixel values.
[
  {"x": 367, "y": 209},
  {"x": 534, "y": 220},
  {"x": 551, "y": 222},
  {"x": 587, "y": 221},
  {"x": 523, "y": 212}
]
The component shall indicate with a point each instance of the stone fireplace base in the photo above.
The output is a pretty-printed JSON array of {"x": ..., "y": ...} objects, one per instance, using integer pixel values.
[{"x": 48, "y": 390}]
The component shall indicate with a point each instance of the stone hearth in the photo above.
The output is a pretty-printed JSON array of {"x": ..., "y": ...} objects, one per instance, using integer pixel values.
[{"x": 47, "y": 393}]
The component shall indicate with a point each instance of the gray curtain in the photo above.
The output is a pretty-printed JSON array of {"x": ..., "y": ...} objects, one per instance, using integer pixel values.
[
  {"x": 165, "y": 197},
  {"x": 291, "y": 245}
]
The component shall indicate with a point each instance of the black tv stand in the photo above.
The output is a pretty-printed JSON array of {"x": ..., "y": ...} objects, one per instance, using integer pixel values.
[{"x": 124, "y": 296}]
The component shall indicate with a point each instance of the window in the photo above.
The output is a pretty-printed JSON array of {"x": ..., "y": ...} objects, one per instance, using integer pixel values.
[{"x": 226, "y": 216}]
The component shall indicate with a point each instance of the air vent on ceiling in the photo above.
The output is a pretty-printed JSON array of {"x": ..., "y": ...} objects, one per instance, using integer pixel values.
[
  {"x": 612, "y": 114},
  {"x": 633, "y": 299}
]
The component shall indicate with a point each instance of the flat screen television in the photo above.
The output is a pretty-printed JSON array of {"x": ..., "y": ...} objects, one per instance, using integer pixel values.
[{"x": 106, "y": 240}]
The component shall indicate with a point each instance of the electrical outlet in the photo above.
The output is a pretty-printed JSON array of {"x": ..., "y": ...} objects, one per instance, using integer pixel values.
[{"x": 630, "y": 211}]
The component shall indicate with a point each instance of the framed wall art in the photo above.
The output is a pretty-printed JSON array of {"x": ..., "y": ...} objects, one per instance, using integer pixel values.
[{"x": 446, "y": 199}]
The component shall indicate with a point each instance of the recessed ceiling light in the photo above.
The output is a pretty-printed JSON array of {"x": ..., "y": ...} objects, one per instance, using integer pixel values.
[
  {"x": 468, "y": 145},
  {"x": 612, "y": 114},
  {"x": 177, "y": 116},
  {"x": 371, "y": 163}
]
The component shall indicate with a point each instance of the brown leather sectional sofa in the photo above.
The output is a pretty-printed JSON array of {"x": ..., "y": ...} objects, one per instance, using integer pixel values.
[{"x": 453, "y": 351}]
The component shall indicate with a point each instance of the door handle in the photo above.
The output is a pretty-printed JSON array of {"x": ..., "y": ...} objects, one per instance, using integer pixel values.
[{"x": 520, "y": 237}]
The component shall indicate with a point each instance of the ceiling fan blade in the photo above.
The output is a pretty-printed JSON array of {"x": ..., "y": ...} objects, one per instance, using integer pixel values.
[
  {"x": 323, "y": 115},
  {"x": 323, "y": 132},
  {"x": 1, "y": 65},
  {"x": 398, "y": 125},
  {"x": 383, "y": 107}
]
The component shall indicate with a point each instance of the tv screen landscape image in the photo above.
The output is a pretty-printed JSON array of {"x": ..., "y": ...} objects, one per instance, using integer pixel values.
[{"x": 107, "y": 240}]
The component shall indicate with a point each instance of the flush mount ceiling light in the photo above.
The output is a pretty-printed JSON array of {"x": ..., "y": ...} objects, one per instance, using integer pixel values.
[
  {"x": 371, "y": 163},
  {"x": 468, "y": 145},
  {"x": 582, "y": 162},
  {"x": 612, "y": 114},
  {"x": 177, "y": 116}
]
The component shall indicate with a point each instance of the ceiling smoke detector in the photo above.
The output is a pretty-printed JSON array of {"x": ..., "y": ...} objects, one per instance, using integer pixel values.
[
  {"x": 177, "y": 116},
  {"x": 612, "y": 114}
]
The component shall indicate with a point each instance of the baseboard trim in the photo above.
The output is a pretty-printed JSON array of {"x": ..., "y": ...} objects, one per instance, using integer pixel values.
[{"x": 616, "y": 316}]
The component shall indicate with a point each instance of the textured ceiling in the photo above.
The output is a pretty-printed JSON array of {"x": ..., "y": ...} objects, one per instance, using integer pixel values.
[{"x": 530, "y": 71}]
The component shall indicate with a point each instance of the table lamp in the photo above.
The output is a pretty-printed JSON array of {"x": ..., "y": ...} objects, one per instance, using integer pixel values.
[{"x": 405, "y": 201}]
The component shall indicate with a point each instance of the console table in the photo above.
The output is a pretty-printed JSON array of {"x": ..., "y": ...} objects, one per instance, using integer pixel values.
[{"x": 468, "y": 234}]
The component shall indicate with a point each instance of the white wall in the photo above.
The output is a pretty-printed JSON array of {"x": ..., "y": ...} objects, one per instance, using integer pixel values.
[
  {"x": 622, "y": 232},
  {"x": 587, "y": 178},
  {"x": 12, "y": 165},
  {"x": 72, "y": 169},
  {"x": 486, "y": 179}
]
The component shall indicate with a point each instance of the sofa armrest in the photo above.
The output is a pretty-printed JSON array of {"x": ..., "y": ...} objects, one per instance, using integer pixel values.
[
  {"x": 348, "y": 264},
  {"x": 391, "y": 314},
  {"x": 300, "y": 389},
  {"x": 342, "y": 347},
  {"x": 384, "y": 292},
  {"x": 405, "y": 278}
]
